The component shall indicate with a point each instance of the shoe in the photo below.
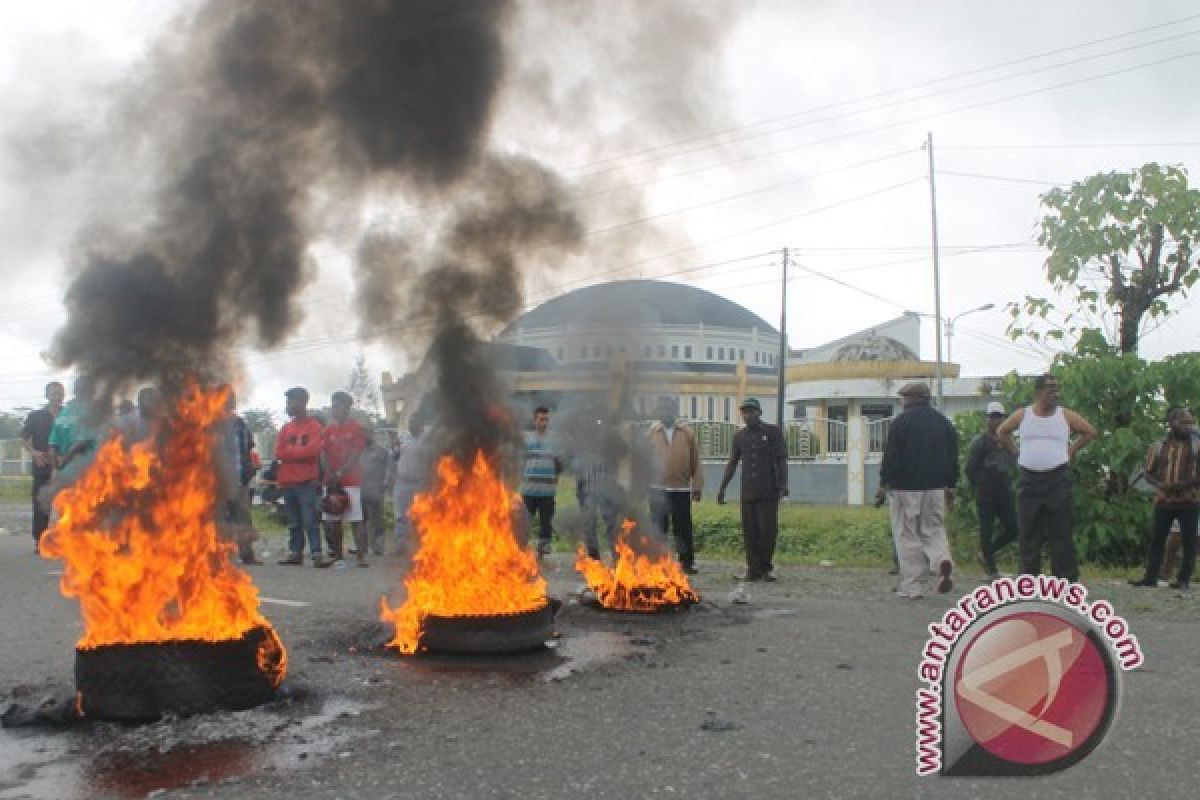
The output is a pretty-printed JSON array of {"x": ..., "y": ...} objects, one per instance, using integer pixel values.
[
  {"x": 768, "y": 577},
  {"x": 1144, "y": 584},
  {"x": 1160, "y": 583},
  {"x": 1183, "y": 587},
  {"x": 894, "y": 571},
  {"x": 945, "y": 583},
  {"x": 362, "y": 561},
  {"x": 251, "y": 561},
  {"x": 321, "y": 562},
  {"x": 544, "y": 548},
  {"x": 748, "y": 578},
  {"x": 295, "y": 559},
  {"x": 689, "y": 569}
]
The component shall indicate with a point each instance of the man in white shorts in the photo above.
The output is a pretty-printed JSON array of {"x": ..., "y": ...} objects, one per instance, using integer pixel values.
[{"x": 342, "y": 444}]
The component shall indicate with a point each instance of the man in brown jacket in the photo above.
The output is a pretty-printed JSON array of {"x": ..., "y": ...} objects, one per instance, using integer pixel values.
[{"x": 676, "y": 480}]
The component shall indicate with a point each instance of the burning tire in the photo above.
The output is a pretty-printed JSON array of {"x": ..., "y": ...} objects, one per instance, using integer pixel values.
[
  {"x": 489, "y": 634},
  {"x": 141, "y": 682}
]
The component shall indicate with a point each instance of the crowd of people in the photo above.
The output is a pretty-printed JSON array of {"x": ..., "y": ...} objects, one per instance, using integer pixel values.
[{"x": 326, "y": 474}]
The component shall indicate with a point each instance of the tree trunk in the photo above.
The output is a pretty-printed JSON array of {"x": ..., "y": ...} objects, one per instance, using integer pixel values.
[{"x": 1131, "y": 316}]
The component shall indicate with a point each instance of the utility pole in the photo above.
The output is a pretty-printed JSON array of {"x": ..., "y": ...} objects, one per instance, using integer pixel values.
[
  {"x": 783, "y": 349},
  {"x": 937, "y": 278}
]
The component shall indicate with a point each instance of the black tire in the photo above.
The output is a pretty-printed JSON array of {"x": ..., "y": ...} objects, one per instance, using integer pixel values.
[
  {"x": 141, "y": 682},
  {"x": 490, "y": 635}
]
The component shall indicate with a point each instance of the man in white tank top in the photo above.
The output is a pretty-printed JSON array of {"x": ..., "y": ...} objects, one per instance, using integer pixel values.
[{"x": 1045, "y": 505}]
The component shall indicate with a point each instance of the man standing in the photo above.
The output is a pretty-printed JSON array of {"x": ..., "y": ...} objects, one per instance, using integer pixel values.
[
  {"x": 235, "y": 470},
  {"x": 342, "y": 444},
  {"x": 920, "y": 470},
  {"x": 376, "y": 477},
  {"x": 539, "y": 482},
  {"x": 1172, "y": 469},
  {"x": 764, "y": 483},
  {"x": 35, "y": 437},
  {"x": 990, "y": 468},
  {"x": 1045, "y": 509},
  {"x": 298, "y": 449},
  {"x": 414, "y": 469},
  {"x": 676, "y": 480}
]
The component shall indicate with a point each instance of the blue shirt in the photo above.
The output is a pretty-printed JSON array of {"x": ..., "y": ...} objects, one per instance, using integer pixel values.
[{"x": 540, "y": 478}]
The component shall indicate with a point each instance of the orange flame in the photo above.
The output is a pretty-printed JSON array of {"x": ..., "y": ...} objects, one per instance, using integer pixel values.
[
  {"x": 468, "y": 560},
  {"x": 139, "y": 543},
  {"x": 636, "y": 582}
]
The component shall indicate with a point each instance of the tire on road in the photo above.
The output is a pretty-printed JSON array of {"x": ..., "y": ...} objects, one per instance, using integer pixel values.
[
  {"x": 141, "y": 682},
  {"x": 490, "y": 634}
]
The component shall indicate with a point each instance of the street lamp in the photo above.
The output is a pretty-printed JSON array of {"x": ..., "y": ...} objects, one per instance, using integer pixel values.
[{"x": 950, "y": 326}]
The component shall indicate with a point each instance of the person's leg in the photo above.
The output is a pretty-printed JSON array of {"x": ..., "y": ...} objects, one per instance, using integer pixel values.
[
  {"x": 587, "y": 518},
  {"x": 1171, "y": 554},
  {"x": 373, "y": 520},
  {"x": 611, "y": 519},
  {"x": 932, "y": 532},
  {"x": 906, "y": 508},
  {"x": 1188, "y": 520},
  {"x": 1060, "y": 530},
  {"x": 41, "y": 520},
  {"x": 1006, "y": 513},
  {"x": 295, "y": 517},
  {"x": 750, "y": 537},
  {"x": 1028, "y": 530},
  {"x": 545, "y": 522},
  {"x": 1160, "y": 527},
  {"x": 333, "y": 538},
  {"x": 768, "y": 529},
  {"x": 310, "y": 514},
  {"x": 681, "y": 524},
  {"x": 987, "y": 512}
]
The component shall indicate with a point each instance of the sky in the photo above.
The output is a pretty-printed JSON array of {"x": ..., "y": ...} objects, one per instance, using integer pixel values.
[{"x": 801, "y": 126}]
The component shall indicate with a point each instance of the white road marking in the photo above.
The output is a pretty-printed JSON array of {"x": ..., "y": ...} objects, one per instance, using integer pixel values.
[
  {"x": 55, "y": 573},
  {"x": 278, "y": 602}
]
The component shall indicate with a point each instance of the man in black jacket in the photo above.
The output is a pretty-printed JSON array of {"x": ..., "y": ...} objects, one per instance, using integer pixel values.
[
  {"x": 990, "y": 468},
  {"x": 920, "y": 470},
  {"x": 762, "y": 452}
]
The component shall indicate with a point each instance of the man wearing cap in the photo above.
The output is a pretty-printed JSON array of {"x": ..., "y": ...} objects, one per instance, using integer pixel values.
[
  {"x": 990, "y": 468},
  {"x": 298, "y": 450},
  {"x": 920, "y": 470},
  {"x": 763, "y": 454}
]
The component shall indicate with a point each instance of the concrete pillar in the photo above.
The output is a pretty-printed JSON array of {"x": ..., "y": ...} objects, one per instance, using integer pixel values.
[{"x": 856, "y": 454}]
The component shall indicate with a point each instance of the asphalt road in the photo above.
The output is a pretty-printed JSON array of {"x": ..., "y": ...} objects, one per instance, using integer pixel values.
[{"x": 805, "y": 691}]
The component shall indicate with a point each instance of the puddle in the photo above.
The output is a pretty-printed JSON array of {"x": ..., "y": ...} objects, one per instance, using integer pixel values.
[
  {"x": 558, "y": 660},
  {"x": 133, "y": 762}
]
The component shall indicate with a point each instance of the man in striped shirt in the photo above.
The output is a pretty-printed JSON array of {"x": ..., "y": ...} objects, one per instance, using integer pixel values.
[
  {"x": 1171, "y": 469},
  {"x": 540, "y": 480}
]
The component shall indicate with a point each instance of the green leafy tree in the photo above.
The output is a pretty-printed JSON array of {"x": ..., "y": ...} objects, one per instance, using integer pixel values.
[
  {"x": 259, "y": 420},
  {"x": 1122, "y": 245},
  {"x": 362, "y": 389}
]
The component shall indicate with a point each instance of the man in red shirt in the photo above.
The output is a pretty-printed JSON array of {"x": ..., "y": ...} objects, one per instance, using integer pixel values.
[
  {"x": 342, "y": 444},
  {"x": 298, "y": 450}
]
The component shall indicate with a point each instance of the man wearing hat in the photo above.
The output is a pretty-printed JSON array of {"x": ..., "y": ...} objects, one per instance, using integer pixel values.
[
  {"x": 920, "y": 469},
  {"x": 763, "y": 454},
  {"x": 298, "y": 450},
  {"x": 990, "y": 468}
]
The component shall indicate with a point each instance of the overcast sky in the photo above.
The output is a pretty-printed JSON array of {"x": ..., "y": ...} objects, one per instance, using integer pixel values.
[{"x": 810, "y": 137}]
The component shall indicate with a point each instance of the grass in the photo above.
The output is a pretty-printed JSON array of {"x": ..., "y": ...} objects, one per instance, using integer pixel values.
[{"x": 15, "y": 489}]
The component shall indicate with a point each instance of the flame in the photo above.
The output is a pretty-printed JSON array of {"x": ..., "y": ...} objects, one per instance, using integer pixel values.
[
  {"x": 468, "y": 560},
  {"x": 636, "y": 582},
  {"x": 138, "y": 539}
]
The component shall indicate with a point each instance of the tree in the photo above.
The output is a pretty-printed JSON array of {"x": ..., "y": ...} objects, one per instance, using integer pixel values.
[
  {"x": 1123, "y": 244},
  {"x": 259, "y": 420},
  {"x": 361, "y": 388}
]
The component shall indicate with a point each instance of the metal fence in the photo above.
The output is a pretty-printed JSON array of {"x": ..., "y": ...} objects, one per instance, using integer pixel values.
[{"x": 13, "y": 458}]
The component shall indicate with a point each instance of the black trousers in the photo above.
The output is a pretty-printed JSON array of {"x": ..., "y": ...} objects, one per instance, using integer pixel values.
[
  {"x": 676, "y": 508},
  {"x": 543, "y": 509},
  {"x": 1163, "y": 517},
  {"x": 990, "y": 510},
  {"x": 1046, "y": 513},
  {"x": 373, "y": 521},
  {"x": 760, "y": 530},
  {"x": 41, "y": 515}
]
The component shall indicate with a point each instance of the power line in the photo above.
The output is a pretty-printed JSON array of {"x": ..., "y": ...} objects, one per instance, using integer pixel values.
[
  {"x": 979, "y": 176},
  {"x": 889, "y": 92}
]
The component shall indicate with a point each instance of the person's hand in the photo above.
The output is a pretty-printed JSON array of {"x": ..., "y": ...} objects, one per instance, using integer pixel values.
[
  {"x": 721, "y": 497},
  {"x": 783, "y": 492},
  {"x": 696, "y": 495},
  {"x": 40, "y": 459},
  {"x": 880, "y": 496}
]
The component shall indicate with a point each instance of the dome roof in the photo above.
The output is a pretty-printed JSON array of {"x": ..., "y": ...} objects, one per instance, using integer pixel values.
[
  {"x": 640, "y": 303},
  {"x": 874, "y": 348}
]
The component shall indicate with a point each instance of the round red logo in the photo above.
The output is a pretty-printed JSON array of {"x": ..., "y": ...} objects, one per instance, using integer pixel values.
[{"x": 1035, "y": 690}]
